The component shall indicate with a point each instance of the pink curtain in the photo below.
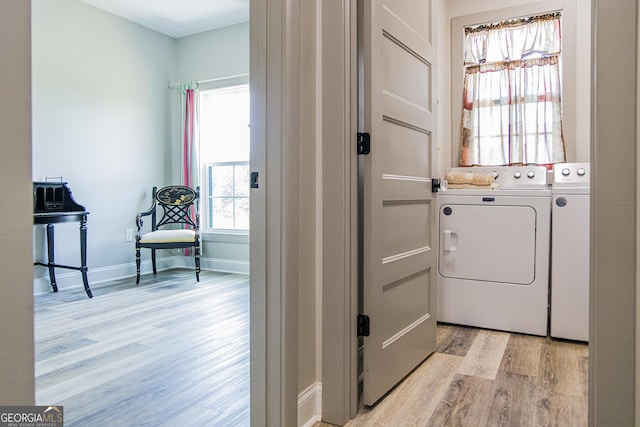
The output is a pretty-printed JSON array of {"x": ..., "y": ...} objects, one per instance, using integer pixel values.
[
  {"x": 189, "y": 141},
  {"x": 189, "y": 156},
  {"x": 512, "y": 110}
]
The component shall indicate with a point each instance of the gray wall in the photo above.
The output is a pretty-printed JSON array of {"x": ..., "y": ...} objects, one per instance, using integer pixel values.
[
  {"x": 612, "y": 336},
  {"x": 16, "y": 300},
  {"x": 214, "y": 54},
  {"x": 101, "y": 120}
]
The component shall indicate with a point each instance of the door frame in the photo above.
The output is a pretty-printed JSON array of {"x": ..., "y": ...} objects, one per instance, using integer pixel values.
[
  {"x": 274, "y": 78},
  {"x": 613, "y": 340},
  {"x": 339, "y": 211}
]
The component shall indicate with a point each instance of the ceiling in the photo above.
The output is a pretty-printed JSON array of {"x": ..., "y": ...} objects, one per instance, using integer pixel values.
[{"x": 178, "y": 18}]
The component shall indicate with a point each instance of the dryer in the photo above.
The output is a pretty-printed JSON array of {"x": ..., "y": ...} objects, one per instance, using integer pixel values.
[
  {"x": 569, "y": 315},
  {"x": 493, "y": 257}
]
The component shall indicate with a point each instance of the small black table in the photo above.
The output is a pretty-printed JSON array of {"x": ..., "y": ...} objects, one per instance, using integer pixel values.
[{"x": 54, "y": 204}]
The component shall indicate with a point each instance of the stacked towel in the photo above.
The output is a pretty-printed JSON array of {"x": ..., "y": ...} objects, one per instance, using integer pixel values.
[{"x": 470, "y": 180}]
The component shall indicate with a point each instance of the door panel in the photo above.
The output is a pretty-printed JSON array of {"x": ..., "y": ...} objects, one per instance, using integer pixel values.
[
  {"x": 403, "y": 61},
  {"x": 398, "y": 278},
  {"x": 405, "y": 228},
  {"x": 401, "y": 305},
  {"x": 404, "y": 149}
]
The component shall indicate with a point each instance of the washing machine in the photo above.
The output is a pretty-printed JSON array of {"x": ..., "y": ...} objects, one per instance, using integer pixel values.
[
  {"x": 493, "y": 255},
  {"x": 570, "y": 192}
]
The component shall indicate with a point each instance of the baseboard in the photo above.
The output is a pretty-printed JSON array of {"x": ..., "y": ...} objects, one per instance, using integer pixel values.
[
  {"x": 216, "y": 264},
  {"x": 310, "y": 405},
  {"x": 70, "y": 279}
]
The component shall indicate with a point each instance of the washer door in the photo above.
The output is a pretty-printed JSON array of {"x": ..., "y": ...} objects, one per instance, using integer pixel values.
[{"x": 488, "y": 243}]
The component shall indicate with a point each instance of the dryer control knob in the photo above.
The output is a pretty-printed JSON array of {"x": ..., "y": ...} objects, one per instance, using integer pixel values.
[
  {"x": 581, "y": 171},
  {"x": 566, "y": 171},
  {"x": 517, "y": 175},
  {"x": 531, "y": 174}
]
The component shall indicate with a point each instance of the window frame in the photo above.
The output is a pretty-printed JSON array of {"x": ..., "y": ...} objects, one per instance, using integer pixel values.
[
  {"x": 210, "y": 197},
  {"x": 218, "y": 234},
  {"x": 568, "y": 68}
]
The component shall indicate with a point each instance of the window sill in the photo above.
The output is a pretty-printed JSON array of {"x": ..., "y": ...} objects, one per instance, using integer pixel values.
[{"x": 226, "y": 236}]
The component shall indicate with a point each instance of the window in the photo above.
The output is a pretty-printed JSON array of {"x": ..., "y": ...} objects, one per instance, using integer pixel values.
[
  {"x": 511, "y": 97},
  {"x": 228, "y": 195},
  {"x": 224, "y": 151}
]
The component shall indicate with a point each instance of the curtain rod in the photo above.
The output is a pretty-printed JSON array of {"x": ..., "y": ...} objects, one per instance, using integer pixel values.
[
  {"x": 515, "y": 22},
  {"x": 175, "y": 85}
]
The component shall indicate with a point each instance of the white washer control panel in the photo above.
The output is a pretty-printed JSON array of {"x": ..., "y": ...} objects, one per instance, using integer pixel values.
[
  {"x": 523, "y": 177},
  {"x": 571, "y": 175}
]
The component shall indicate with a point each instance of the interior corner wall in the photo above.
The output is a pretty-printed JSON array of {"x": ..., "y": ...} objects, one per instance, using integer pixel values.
[
  {"x": 16, "y": 298},
  {"x": 102, "y": 122},
  {"x": 443, "y": 76},
  {"x": 213, "y": 55}
]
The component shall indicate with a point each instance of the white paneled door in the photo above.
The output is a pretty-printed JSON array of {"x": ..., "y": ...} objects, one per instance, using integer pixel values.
[{"x": 397, "y": 103}]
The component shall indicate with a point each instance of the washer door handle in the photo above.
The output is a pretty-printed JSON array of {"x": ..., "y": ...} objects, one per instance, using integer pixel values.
[{"x": 450, "y": 241}]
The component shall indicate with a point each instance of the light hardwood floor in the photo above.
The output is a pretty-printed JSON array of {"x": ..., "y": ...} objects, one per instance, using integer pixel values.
[
  {"x": 173, "y": 352},
  {"x": 483, "y": 378},
  {"x": 168, "y": 352}
]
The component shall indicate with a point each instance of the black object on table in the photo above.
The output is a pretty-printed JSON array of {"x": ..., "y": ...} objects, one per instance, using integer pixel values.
[{"x": 53, "y": 204}]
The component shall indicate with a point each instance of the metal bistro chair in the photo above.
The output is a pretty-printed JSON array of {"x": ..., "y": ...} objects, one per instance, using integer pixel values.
[{"x": 178, "y": 203}]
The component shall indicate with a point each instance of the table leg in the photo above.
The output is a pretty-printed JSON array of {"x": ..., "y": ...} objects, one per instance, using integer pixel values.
[
  {"x": 50, "y": 256},
  {"x": 83, "y": 256}
]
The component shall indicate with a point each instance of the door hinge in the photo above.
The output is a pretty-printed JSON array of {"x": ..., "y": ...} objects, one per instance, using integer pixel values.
[
  {"x": 364, "y": 143},
  {"x": 363, "y": 325},
  {"x": 253, "y": 180}
]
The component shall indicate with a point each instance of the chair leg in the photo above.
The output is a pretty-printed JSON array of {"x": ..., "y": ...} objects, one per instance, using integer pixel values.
[
  {"x": 196, "y": 256},
  {"x": 137, "y": 265},
  {"x": 153, "y": 260}
]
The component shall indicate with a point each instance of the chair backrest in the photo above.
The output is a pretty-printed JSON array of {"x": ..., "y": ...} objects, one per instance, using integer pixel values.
[{"x": 177, "y": 202}]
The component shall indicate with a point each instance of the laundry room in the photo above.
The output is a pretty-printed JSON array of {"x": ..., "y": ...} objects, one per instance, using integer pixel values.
[
  {"x": 513, "y": 208},
  {"x": 520, "y": 136},
  {"x": 507, "y": 262},
  {"x": 513, "y": 213}
]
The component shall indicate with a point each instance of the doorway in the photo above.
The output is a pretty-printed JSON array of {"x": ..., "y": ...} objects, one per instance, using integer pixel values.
[
  {"x": 345, "y": 19},
  {"x": 105, "y": 116}
]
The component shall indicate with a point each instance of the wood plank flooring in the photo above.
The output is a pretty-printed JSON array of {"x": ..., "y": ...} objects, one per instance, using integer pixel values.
[
  {"x": 483, "y": 378},
  {"x": 168, "y": 352},
  {"x": 173, "y": 352}
]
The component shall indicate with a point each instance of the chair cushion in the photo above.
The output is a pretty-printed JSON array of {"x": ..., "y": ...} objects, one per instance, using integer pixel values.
[{"x": 167, "y": 236}]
